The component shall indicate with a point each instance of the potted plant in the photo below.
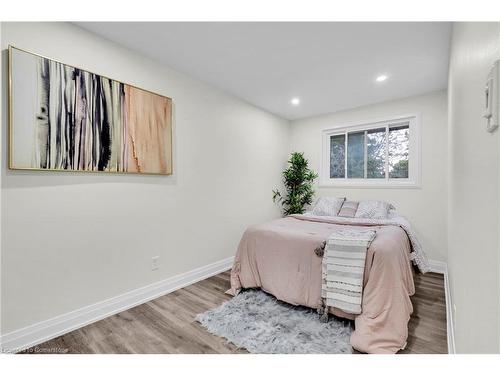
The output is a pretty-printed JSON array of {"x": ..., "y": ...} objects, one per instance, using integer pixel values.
[{"x": 298, "y": 180}]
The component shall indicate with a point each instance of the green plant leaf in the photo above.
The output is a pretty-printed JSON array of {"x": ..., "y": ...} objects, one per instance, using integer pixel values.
[
  {"x": 298, "y": 180},
  {"x": 277, "y": 196}
]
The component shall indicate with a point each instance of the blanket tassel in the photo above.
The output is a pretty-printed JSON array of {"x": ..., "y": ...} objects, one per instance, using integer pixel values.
[
  {"x": 323, "y": 311},
  {"x": 320, "y": 250}
]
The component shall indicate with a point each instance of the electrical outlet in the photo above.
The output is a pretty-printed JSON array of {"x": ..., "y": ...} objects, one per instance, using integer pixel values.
[{"x": 155, "y": 263}]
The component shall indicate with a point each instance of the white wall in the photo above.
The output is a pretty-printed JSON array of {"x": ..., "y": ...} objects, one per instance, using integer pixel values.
[
  {"x": 473, "y": 218},
  {"x": 1, "y": 153},
  {"x": 426, "y": 206},
  {"x": 73, "y": 239}
]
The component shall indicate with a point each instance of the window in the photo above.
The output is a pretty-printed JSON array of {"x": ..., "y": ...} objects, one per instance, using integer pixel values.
[{"x": 379, "y": 154}]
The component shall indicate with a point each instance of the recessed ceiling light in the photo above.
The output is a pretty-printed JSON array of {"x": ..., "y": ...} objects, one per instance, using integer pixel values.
[
  {"x": 381, "y": 78},
  {"x": 295, "y": 101}
]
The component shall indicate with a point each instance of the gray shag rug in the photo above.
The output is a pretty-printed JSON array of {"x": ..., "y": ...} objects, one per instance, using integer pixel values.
[{"x": 258, "y": 322}]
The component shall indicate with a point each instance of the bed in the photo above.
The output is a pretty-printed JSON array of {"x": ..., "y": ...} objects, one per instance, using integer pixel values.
[{"x": 279, "y": 258}]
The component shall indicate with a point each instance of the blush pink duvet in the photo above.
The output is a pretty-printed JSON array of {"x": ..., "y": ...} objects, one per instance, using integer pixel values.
[{"x": 279, "y": 258}]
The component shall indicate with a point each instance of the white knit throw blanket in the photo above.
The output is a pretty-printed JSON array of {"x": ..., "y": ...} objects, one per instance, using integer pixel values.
[{"x": 343, "y": 268}]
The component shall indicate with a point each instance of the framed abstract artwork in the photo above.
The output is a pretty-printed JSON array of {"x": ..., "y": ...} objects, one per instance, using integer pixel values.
[{"x": 63, "y": 118}]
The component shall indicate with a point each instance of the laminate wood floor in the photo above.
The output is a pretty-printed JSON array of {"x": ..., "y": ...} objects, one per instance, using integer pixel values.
[{"x": 167, "y": 325}]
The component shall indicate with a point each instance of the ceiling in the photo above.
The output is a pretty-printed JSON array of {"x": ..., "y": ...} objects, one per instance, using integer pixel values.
[{"x": 329, "y": 66}]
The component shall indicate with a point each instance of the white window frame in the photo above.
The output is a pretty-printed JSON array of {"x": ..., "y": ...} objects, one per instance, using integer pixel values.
[{"x": 413, "y": 180}]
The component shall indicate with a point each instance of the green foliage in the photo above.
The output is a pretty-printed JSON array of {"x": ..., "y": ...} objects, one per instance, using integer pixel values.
[
  {"x": 298, "y": 180},
  {"x": 400, "y": 169}
]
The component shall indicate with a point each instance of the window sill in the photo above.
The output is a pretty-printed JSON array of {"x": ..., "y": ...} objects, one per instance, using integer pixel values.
[{"x": 370, "y": 185}]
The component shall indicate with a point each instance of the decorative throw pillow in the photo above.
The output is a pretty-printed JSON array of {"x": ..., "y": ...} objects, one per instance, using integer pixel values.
[
  {"x": 328, "y": 206},
  {"x": 349, "y": 209},
  {"x": 373, "y": 209}
]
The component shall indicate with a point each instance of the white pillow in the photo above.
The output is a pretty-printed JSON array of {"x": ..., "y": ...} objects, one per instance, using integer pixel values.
[
  {"x": 373, "y": 209},
  {"x": 327, "y": 206}
]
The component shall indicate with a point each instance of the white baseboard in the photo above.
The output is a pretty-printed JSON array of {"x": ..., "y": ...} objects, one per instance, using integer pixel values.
[
  {"x": 442, "y": 267},
  {"x": 438, "y": 266},
  {"x": 40, "y": 332}
]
